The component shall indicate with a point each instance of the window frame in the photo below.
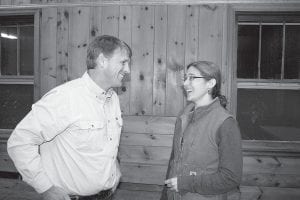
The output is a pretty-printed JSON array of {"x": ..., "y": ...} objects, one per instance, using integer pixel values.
[
  {"x": 260, "y": 83},
  {"x": 232, "y": 43},
  {"x": 25, "y": 79}
]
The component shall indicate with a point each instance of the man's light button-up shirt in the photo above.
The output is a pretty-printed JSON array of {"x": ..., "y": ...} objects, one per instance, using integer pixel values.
[{"x": 78, "y": 146}]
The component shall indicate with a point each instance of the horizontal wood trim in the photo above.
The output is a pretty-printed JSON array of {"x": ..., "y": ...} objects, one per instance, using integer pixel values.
[
  {"x": 43, "y": 4},
  {"x": 247, "y": 193},
  {"x": 137, "y": 155},
  {"x": 139, "y": 187},
  {"x": 273, "y": 86},
  {"x": 269, "y": 193},
  {"x": 271, "y": 164},
  {"x": 149, "y": 124},
  {"x": 147, "y": 139},
  {"x": 144, "y": 154},
  {"x": 6, "y": 164},
  {"x": 267, "y": 23},
  {"x": 4, "y": 134},
  {"x": 22, "y": 80},
  {"x": 259, "y": 146},
  {"x": 136, "y": 195},
  {"x": 271, "y": 180},
  {"x": 16, "y": 189},
  {"x": 142, "y": 173}
]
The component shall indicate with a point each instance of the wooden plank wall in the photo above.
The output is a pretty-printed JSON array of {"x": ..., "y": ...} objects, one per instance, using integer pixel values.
[
  {"x": 164, "y": 39},
  {"x": 270, "y": 170}
]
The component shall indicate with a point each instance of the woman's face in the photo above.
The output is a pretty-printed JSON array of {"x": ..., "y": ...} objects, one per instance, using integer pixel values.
[{"x": 196, "y": 86}]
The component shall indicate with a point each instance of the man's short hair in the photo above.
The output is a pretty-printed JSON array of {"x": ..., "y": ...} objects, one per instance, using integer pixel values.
[{"x": 106, "y": 45}]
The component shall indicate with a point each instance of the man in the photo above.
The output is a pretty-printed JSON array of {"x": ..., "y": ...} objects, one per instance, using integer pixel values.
[{"x": 66, "y": 146}]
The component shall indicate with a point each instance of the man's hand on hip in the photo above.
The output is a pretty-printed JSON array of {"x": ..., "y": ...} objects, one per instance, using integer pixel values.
[{"x": 55, "y": 193}]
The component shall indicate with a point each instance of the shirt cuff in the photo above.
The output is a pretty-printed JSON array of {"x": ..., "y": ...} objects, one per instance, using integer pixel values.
[
  {"x": 185, "y": 184},
  {"x": 41, "y": 183}
]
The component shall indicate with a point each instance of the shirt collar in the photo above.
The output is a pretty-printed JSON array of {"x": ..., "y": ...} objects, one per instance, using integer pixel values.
[{"x": 95, "y": 89}]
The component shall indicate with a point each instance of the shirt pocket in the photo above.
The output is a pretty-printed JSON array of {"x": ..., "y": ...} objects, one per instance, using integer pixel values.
[{"x": 88, "y": 134}]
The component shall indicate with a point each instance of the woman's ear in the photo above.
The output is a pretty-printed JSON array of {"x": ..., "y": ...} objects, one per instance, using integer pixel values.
[{"x": 211, "y": 83}]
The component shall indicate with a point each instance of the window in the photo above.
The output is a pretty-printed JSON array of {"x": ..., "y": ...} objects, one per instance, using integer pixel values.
[
  {"x": 16, "y": 68},
  {"x": 268, "y": 76}
]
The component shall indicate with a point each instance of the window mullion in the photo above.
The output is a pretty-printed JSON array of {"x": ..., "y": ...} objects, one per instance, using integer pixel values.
[
  {"x": 18, "y": 50},
  {"x": 259, "y": 50},
  {"x": 0, "y": 53},
  {"x": 283, "y": 52}
]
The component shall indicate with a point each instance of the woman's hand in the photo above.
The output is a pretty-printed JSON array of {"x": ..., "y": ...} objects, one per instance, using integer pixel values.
[{"x": 172, "y": 184}]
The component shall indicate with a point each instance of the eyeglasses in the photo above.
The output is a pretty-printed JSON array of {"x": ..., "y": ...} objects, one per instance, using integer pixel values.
[{"x": 191, "y": 78}]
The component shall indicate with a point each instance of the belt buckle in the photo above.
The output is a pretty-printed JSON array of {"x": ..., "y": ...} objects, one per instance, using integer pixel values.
[{"x": 74, "y": 197}]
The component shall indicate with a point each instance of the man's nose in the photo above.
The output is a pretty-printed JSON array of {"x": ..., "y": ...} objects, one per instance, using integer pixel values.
[{"x": 127, "y": 68}]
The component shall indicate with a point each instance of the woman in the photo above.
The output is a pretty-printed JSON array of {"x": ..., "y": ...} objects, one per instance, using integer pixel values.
[{"x": 206, "y": 159}]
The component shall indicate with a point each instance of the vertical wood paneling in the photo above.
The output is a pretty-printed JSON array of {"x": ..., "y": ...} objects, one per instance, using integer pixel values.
[
  {"x": 48, "y": 49},
  {"x": 191, "y": 34},
  {"x": 110, "y": 20},
  {"x": 226, "y": 68},
  {"x": 210, "y": 33},
  {"x": 159, "y": 60},
  {"x": 95, "y": 22},
  {"x": 231, "y": 40},
  {"x": 125, "y": 35},
  {"x": 20, "y": 2},
  {"x": 6, "y": 2},
  {"x": 37, "y": 67},
  {"x": 62, "y": 45},
  {"x": 142, "y": 68},
  {"x": 78, "y": 40},
  {"x": 164, "y": 40},
  {"x": 175, "y": 59}
]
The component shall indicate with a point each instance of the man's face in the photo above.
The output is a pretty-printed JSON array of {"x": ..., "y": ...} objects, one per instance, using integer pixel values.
[{"x": 117, "y": 66}]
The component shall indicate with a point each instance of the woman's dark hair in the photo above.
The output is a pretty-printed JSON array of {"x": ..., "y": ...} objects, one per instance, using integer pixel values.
[
  {"x": 105, "y": 44},
  {"x": 211, "y": 71}
]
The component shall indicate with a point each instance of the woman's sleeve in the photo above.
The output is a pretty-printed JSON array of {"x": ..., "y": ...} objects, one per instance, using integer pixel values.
[
  {"x": 229, "y": 173},
  {"x": 164, "y": 191}
]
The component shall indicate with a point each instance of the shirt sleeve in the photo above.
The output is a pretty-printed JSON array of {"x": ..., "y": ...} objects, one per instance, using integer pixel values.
[
  {"x": 45, "y": 121},
  {"x": 229, "y": 173}
]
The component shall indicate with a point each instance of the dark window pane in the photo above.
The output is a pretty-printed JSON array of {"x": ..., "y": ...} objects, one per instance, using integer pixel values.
[
  {"x": 8, "y": 51},
  {"x": 292, "y": 52},
  {"x": 247, "y": 58},
  {"x": 269, "y": 114},
  {"x": 271, "y": 51},
  {"x": 15, "y": 103},
  {"x": 26, "y": 50},
  {"x": 16, "y": 19}
]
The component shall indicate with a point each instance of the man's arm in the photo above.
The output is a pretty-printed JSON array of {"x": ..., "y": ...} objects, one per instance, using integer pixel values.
[{"x": 45, "y": 121}]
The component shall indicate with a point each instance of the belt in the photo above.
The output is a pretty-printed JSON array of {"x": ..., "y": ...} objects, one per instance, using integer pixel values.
[{"x": 103, "y": 195}]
